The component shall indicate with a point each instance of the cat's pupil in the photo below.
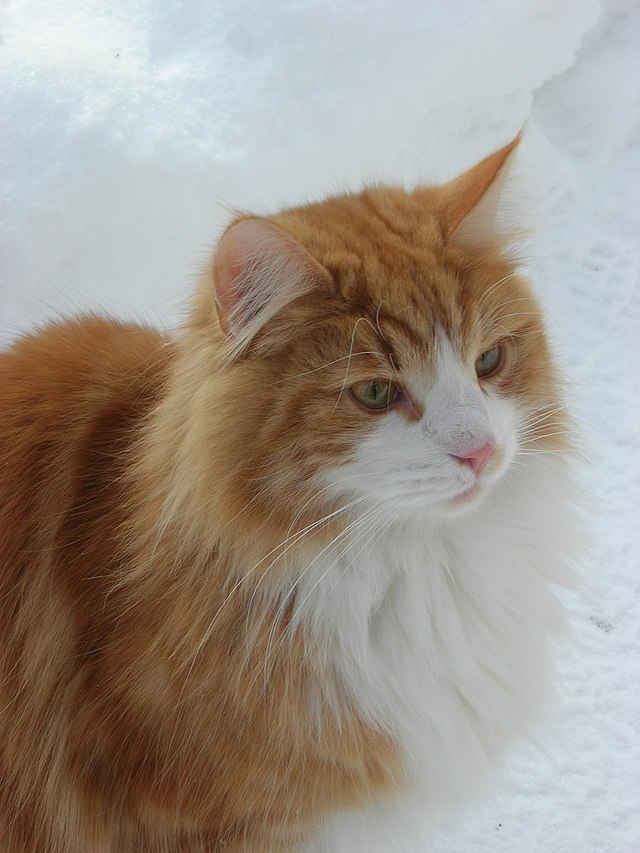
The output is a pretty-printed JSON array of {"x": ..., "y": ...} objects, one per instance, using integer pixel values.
[{"x": 374, "y": 394}]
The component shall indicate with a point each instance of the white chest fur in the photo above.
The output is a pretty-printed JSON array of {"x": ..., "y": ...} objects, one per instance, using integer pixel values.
[{"x": 442, "y": 633}]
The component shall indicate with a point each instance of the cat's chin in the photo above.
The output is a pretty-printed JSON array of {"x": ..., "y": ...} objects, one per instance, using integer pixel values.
[
  {"x": 463, "y": 503},
  {"x": 473, "y": 497}
]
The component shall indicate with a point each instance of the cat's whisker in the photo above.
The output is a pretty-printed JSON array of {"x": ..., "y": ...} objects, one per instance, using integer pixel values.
[
  {"x": 368, "y": 521},
  {"x": 545, "y": 410},
  {"x": 495, "y": 314},
  {"x": 328, "y": 487},
  {"x": 380, "y": 332},
  {"x": 386, "y": 520},
  {"x": 280, "y": 549},
  {"x": 533, "y": 429},
  {"x": 332, "y": 486},
  {"x": 379, "y": 530},
  {"x": 350, "y": 356},
  {"x": 488, "y": 292},
  {"x": 389, "y": 517},
  {"x": 287, "y": 598},
  {"x": 328, "y": 364},
  {"x": 293, "y": 540},
  {"x": 520, "y": 334},
  {"x": 509, "y": 334},
  {"x": 501, "y": 305},
  {"x": 519, "y": 314},
  {"x": 517, "y": 463},
  {"x": 344, "y": 532},
  {"x": 346, "y": 373},
  {"x": 536, "y": 438},
  {"x": 536, "y": 419},
  {"x": 397, "y": 374},
  {"x": 378, "y": 320},
  {"x": 530, "y": 426},
  {"x": 543, "y": 451}
]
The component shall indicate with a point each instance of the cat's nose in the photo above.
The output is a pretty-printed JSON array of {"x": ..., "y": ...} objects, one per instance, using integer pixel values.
[{"x": 476, "y": 459}]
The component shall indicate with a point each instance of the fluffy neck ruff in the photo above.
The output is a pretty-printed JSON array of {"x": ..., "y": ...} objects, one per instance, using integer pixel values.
[
  {"x": 441, "y": 634},
  {"x": 438, "y": 635}
]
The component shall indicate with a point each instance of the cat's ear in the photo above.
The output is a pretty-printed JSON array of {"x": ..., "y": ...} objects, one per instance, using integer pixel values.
[
  {"x": 469, "y": 206},
  {"x": 257, "y": 270}
]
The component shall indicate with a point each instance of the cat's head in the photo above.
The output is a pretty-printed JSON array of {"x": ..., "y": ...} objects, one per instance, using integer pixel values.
[{"x": 379, "y": 348}]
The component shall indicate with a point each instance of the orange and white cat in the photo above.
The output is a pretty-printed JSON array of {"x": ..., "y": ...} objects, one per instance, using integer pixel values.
[{"x": 262, "y": 583}]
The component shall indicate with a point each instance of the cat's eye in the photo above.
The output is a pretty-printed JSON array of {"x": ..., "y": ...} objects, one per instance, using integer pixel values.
[
  {"x": 489, "y": 362},
  {"x": 376, "y": 394}
]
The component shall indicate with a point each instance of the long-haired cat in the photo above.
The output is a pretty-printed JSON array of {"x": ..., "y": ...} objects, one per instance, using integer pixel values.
[{"x": 296, "y": 563}]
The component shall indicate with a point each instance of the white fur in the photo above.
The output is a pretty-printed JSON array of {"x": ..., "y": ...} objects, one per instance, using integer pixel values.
[{"x": 438, "y": 619}]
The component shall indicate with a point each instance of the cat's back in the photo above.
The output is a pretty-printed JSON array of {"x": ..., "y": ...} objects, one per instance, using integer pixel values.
[
  {"x": 67, "y": 392},
  {"x": 73, "y": 397}
]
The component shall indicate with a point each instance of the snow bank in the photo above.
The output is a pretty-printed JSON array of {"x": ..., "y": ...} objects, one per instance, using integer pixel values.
[{"x": 129, "y": 126}]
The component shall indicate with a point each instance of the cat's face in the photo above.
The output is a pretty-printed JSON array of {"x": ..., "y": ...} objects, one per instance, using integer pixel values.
[
  {"x": 443, "y": 437},
  {"x": 412, "y": 388},
  {"x": 383, "y": 362}
]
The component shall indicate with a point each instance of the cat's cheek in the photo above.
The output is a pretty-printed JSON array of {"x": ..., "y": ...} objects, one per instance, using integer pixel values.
[{"x": 504, "y": 419}]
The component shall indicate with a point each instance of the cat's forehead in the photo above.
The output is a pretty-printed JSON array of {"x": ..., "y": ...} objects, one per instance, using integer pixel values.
[
  {"x": 379, "y": 223},
  {"x": 385, "y": 253},
  {"x": 397, "y": 277}
]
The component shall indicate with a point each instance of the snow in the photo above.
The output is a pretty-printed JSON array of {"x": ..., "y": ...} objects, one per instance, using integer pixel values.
[{"x": 130, "y": 128}]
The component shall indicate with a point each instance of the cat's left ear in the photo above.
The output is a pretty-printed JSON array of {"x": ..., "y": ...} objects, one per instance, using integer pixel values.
[
  {"x": 258, "y": 269},
  {"x": 468, "y": 207}
]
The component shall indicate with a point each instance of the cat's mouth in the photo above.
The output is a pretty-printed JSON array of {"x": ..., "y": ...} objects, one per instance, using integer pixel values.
[
  {"x": 468, "y": 495},
  {"x": 483, "y": 482}
]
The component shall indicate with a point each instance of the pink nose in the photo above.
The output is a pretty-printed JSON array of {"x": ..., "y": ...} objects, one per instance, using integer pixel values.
[{"x": 478, "y": 458}]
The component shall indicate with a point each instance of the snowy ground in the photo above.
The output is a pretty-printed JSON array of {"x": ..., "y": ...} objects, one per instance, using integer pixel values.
[{"x": 130, "y": 127}]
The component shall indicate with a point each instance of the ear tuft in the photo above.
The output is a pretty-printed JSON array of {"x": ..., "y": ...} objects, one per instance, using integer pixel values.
[
  {"x": 468, "y": 206},
  {"x": 257, "y": 270}
]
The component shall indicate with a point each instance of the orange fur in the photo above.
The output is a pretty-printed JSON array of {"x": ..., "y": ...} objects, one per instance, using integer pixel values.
[{"x": 155, "y": 493}]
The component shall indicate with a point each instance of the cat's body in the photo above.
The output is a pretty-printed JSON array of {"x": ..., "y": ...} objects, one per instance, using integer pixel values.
[{"x": 240, "y": 601}]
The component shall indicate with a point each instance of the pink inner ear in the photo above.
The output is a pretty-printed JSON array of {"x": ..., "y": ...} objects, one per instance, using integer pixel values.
[
  {"x": 231, "y": 268},
  {"x": 258, "y": 269}
]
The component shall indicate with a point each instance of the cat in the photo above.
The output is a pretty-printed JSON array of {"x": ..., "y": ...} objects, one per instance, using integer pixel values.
[{"x": 295, "y": 565}]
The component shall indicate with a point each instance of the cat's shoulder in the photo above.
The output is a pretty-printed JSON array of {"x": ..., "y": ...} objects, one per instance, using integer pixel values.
[
  {"x": 83, "y": 351},
  {"x": 59, "y": 377},
  {"x": 80, "y": 344}
]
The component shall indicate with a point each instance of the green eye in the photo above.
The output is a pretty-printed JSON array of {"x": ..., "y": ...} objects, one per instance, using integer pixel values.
[
  {"x": 488, "y": 362},
  {"x": 375, "y": 394}
]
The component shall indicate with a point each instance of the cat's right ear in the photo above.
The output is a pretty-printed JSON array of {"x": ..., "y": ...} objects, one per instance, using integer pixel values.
[
  {"x": 257, "y": 270},
  {"x": 471, "y": 208}
]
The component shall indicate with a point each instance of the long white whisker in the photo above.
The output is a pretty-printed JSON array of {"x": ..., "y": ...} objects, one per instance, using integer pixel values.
[
  {"x": 542, "y": 437},
  {"x": 272, "y": 649},
  {"x": 346, "y": 372},
  {"x": 210, "y": 627},
  {"x": 488, "y": 293},
  {"x": 369, "y": 521},
  {"x": 328, "y": 364},
  {"x": 378, "y": 516},
  {"x": 541, "y": 413}
]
